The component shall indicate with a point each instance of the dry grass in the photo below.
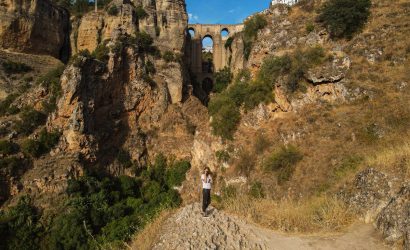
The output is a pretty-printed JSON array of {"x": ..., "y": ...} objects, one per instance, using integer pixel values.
[
  {"x": 395, "y": 158},
  {"x": 146, "y": 239},
  {"x": 317, "y": 214}
]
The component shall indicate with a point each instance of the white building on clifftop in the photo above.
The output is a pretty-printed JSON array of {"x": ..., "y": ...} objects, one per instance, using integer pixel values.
[{"x": 288, "y": 2}]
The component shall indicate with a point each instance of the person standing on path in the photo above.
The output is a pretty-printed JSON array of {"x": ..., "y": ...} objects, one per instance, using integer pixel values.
[{"x": 206, "y": 179}]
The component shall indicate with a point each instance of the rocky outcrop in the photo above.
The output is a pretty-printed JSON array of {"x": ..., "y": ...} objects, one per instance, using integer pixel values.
[
  {"x": 331, "y": 72},
  {"x": 166, "y": 21},
  {"x": 34, "y": 26},
  {"x": 373, "y": 195},
  {"x": 172, "y": 20},
  {"x": 100, "y": 105},
  {"x": 394, "y": 219},
  {"x": 370, "y": 193},
  {"x": 108, "y": 106}
]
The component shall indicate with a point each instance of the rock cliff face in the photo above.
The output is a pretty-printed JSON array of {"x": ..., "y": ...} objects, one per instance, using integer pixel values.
[
  {"x": 165, "y": 21},
  {"x": 36, "y": 27},
  {"x": 101, "y": 106}
]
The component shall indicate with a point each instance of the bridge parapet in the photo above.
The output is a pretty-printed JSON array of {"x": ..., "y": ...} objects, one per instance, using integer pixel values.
[{"x": 214, "y": 30}]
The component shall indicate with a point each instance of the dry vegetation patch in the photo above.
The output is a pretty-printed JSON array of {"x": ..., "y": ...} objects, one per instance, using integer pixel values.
[
  {"x": 317, "y": 214},
  {"x": 146, "y": 239}
]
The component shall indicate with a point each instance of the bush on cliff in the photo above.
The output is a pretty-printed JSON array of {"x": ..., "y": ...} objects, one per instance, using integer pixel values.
[
  {"x": 112, "y": 11},
  {"x": 45, "y": 142},
  {"x": 30, "y": 119},
  {"x": 104, "y": 211},
  {"x": 222, "y": 79},
  {"x": 7, "y": 147},
  {"x": 5, "y": 105},
  {"x": 11, "y": 67},
  {"x": 343, "y": 18},
  {"x": 51, "y": 81},
  {"x": 225, "y": 116},
  {"x": 252, "y": 26},
  {"x": 283, "y": 162},
  {"x": 20, "y": 227}
]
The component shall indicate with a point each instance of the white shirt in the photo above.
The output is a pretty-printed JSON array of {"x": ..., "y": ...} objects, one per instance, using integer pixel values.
[{"x": 206, "y": 181}]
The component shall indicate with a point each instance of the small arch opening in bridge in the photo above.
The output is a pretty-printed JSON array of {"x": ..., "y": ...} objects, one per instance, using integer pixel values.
[
  {"x": 225, "y": 33},
  {"x": 191, "y": 32},
  {"x": 207, "y": 54},
  {"x": 207, "y": 85}
]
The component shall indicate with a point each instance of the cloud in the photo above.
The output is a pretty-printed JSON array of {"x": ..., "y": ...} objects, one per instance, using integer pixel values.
[
  {"x": 193, "y": 17},
  {"x": 231, "y": 11}
]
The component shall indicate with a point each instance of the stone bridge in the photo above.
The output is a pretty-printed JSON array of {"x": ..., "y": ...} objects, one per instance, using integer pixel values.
[{"x": 196, "y": 33}]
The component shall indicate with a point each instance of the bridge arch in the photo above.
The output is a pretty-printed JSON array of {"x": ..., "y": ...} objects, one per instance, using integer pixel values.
[
  {"x": 191, "y": 32},
  {"x": 225, "y": 33}
]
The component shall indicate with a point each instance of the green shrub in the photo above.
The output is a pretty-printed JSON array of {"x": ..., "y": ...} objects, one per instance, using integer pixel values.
[
  {"x": 272, "y": 67},
  {"x": 371, "y": 133},
  {"x": 140, "y": 12},
  {"x": 69, "y": 232},
  {"x": 20, "y": 226},
  {"x": 124, "y": 158},
  {"x": 225, "y": 116},
  {"x": 113, "y": 10},
  {"x": 343, "y": 18},
  {"x": 144, "y": 42},
  {"x": 45, "y": 142},
  {"x": 51, "y": 81},
  {"x": 246, "y": 162},
  {"x": 11, "y": 67},
  {"x": 168, "y": 56},
  {"x": 222, "y": 79},
  {"x": 175, "y": 175},
  {"x": 243, "y": 76},
  {"x": 258, "y": 92},
  {"x": 310, "y": 27},
  {"x": 30, "y": 119},
  {"x": 77, "y": 59},
  {"x": 222, "y": 156},
  {"x": 348, "y": 164},
  {"x": 151, "y": 190},
  {"x": 31, "y": 147},
  {"x": 13, "y": 164},
  {"x": 150, "y": 68},
  {"x": 104, "y": 211},
  {"x": 7, "y": 147},
  {"x": 256, "y": 190},
  {"x": 247, "y": 48},
  {"x": 101, "y": 52},
  {"x": 283, "y": 162},
  {"x": 252, "y": 26},
  {"x": 294, "y": 65},
  {"x": 229, "y": 192},
  {"x": 5, "y": 105}
]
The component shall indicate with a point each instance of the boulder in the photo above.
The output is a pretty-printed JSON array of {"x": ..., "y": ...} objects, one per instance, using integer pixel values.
[
  {"x": 394, "y": 220},
  {"x": 330, "y": 72},
  {"x": 370, "y": 193}
]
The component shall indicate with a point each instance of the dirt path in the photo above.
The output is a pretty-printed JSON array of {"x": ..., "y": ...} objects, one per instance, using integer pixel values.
[{"x": 187, "y": 229}]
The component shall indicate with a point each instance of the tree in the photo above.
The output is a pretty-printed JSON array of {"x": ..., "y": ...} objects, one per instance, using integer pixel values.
[{"x": 343, "y": 18}]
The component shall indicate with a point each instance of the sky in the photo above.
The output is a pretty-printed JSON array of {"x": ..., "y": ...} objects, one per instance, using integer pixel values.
[{"x": 222, "y": 11}]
